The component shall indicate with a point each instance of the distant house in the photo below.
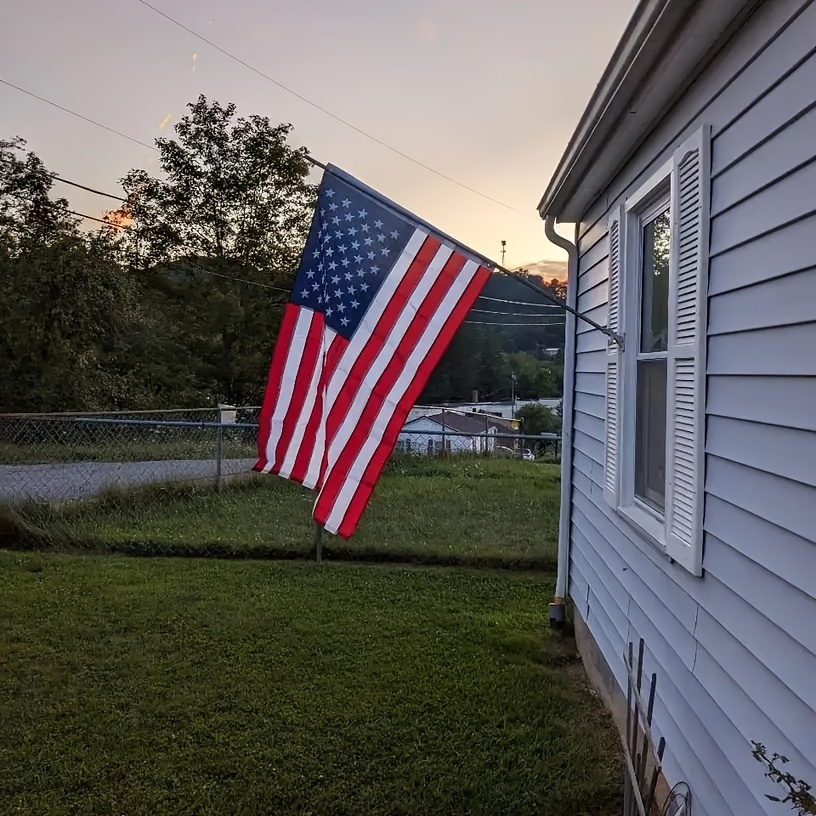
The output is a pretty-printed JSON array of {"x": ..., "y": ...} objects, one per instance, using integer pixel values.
[
  {"x": 500, "y": 409},
  {"x": 454, "y": 432},
  {"x": 689, "y": 464}
]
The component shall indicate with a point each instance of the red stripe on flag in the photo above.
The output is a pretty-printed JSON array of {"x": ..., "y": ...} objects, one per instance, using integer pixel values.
[
  {"x": 270, "y": 399},
  {"x": 337, "y": 346},
  {"x": 425, "y": 312},
  {"x": 378, "y": 338},
  {"x": 310, "y": 357},
  {"x": 378, "y": 460}
]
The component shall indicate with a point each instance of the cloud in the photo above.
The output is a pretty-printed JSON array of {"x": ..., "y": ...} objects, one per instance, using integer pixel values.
[
  {"x": 195, "y": 61},
  {"x": 427, "y": 31}
]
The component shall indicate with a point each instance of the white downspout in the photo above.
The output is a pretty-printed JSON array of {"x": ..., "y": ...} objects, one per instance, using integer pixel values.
[{"x": 557, "y": 607}]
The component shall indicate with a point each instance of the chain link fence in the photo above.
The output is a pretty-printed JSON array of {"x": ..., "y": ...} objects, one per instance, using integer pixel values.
[
  {"x": 151, "y": 482},
  {"x": 66, "y": 457}
]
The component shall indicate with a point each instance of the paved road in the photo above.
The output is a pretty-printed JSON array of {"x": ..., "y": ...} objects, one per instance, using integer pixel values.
[{"x": 83, "y": 480}]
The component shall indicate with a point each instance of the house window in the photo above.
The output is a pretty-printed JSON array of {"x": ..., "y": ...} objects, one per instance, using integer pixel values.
[
  {"x": 655, "y": 380},
  {"x": 652, "y": 355}
]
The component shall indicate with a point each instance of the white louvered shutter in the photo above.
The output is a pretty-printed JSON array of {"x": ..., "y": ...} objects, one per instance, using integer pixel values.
[
  {"x": 686, "y": 354},
  {"x": 612, "y": 459}
]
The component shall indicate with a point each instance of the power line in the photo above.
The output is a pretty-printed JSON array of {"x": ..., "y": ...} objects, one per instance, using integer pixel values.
[
  {"x": 195, "y": 267},
  {"x": 253, "y": 283},
  {"x": 198, "y": 268},
  {"x": 89, "y": 189},
  {"x": 328, "y": 112},
  {"x": 94, "y": 218},
  {"x": 519, "y": 302},
  {"x": 58, "y": 177},
  {"x": 485, "y": 323},
  {"x": 521, "y": 279},
  {"x": 77, "y": 115},
  {"x": 512, "y": 314}
]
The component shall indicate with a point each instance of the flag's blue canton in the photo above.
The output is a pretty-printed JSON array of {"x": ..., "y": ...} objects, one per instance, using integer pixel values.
[{"x": 353, "y": 243}]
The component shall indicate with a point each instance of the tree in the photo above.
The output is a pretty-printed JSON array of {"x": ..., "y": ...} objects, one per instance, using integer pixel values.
[
  {"x": 65, "y": 301},
  {"x": 232, "y": 203},
  {"x": 536, "y": 419}
]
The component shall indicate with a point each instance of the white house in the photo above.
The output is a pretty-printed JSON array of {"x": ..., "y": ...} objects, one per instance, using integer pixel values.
[
  {"x": 500, "y": 409},
  {"x": 689, "y": 491},
  {"x": 453, "y": 432}
]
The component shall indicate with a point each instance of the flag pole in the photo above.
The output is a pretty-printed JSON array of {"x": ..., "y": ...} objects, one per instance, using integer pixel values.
[{"x": 522, "y": 279}]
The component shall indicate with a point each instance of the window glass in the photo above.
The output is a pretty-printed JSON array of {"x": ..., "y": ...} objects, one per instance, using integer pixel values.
[
  {"x": 654, "y": 323},
  {"x": 650, "y": 433}
]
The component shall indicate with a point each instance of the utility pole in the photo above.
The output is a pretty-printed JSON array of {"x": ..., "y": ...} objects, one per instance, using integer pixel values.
[{"x": 504, "y": 249}]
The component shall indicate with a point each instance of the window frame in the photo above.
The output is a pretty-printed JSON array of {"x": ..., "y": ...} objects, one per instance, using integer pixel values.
[
  {"x": 646, "y": 203},
  {"x": 679, "y": 530},
  {"x": 657, "y": 203}
]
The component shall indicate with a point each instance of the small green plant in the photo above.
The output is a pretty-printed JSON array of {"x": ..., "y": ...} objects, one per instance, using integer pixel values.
[{"x": 799, "y": 795}]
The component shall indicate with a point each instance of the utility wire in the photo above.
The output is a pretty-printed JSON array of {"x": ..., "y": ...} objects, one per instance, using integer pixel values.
[
  {"x": 77, "y": 115},
  {"x": 57, "y": 177},
  {"x": 198, "y": 268},
  {"x": 522, "y": 279},
  {"x": 513, "y": 314},
  {"x": 267, "y": 286},
  {"x": 89, "y": 189},
  {"x": 94, "y": 218},
  {"x": 194, "y": 266},
  {"x": 485, "y": 323},
  {"x": 519, "y": 302},
  {"x": 327, "y": 112}
]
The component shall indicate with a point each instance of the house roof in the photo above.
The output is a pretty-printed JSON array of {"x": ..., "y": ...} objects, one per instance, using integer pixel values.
[
  {"x": 665, "y": 47},
  {"x": 466, "y": 423}
]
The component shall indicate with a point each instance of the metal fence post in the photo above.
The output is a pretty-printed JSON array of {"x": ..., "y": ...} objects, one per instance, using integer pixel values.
[
  {"x": 319, "y": 543},
  {"x": 219, "y": 449}
]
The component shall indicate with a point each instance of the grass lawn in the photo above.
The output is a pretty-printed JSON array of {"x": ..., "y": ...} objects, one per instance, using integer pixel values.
[
  {"x": 177, "y": 686},
  {"x": 457, "y": 510}
]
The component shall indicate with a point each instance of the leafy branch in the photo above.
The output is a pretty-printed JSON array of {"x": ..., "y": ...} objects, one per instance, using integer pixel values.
[{"x": 799, "y": 795}]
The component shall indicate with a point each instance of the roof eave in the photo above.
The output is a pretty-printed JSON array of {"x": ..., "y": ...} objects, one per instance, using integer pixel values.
[{"x": 663, "y": 50}]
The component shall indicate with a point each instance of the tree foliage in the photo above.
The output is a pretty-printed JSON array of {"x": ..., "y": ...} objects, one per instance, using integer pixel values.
[
  {"x": 182, "y": 307},
  {"x": 217, "y": 238},
  {"x": 536, "y": 419},
  {"x": 66, "y": 302}
]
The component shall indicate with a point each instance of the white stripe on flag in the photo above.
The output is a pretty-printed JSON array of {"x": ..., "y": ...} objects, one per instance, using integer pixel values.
[
  {"x": 295, "y": 442},
  {"x": 357, "y": 344},
  {"x": 287, "y": 384},
  {"x": 366, "y": 452},
  {"x": 385, "y": 355}
]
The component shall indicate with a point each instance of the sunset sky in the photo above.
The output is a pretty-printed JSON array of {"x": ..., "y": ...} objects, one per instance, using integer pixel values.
[{"x": 487, "y": 93}]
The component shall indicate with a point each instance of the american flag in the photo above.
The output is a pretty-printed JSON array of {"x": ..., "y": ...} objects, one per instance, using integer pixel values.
[{"x": 377, "y": 298}]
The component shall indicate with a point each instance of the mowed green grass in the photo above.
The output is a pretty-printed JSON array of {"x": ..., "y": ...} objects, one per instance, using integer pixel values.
[
  {"x": 178, "y": 686},
  {"x": 460, "y": 510}
]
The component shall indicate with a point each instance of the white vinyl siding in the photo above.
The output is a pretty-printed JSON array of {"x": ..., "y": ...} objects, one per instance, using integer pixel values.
[{"x": 733, "y": 650}]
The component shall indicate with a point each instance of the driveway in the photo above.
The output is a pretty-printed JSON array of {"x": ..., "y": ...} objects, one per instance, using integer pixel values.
[{"x": 83, "y": 480}]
